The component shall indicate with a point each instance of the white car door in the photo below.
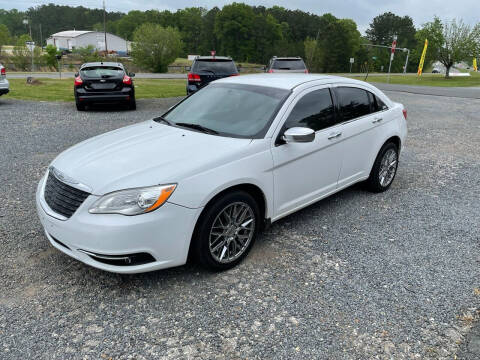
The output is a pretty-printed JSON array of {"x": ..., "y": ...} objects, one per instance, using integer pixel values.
[
  {"x": 359, "y": 132},
  {"x": 306, "y": 172}
]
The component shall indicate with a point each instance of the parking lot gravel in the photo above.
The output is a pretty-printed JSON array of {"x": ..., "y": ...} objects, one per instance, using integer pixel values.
[{"x": 355, "y": 276}]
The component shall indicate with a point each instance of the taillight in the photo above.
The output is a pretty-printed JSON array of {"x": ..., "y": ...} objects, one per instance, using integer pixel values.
[
  {"x": 270, "y": 71},
  {"x": 404, "y": 113},
  {"x": 193, "y": 77},
  {"x": 127, "y": 80},
  {"x": 78, "y": 81},
  {"x": 3, "y": 71},
  {"x": 306, "y": 71}
]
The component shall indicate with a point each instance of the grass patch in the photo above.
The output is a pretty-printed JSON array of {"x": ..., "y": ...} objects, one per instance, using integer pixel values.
[
  {"x": 62, "y": 90},
  {"x": 426, "y": 80}
]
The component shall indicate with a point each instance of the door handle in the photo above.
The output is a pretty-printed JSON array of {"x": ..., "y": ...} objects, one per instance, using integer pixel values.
[
  {"x": 377, "y": 120},
  {"x": 334, "y": 135}
]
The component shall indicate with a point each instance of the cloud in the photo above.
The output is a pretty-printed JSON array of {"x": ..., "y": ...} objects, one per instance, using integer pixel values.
[{"x": 362, "y": 12}]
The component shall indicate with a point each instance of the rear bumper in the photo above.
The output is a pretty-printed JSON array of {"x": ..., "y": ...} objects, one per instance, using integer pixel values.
[
  {"x": 4, "y": 87},
  {"x": 113, "y": 96}
]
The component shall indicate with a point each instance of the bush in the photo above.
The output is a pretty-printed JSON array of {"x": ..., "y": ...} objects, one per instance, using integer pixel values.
[
  {"x": 87, "y": 54},
  {"x": 154, "y": 47}
]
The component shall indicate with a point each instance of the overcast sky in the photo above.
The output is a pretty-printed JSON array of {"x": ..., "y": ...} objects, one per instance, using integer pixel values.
[{"x": 362, "y": 11}]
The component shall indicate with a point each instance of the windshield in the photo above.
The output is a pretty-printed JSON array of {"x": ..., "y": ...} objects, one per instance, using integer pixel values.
[
  {"x": 218, "y": 67},
  {"x": 230, "y": 109},
  {"x": 288, "y": 64},
  {"x": 101, "y": 71}
]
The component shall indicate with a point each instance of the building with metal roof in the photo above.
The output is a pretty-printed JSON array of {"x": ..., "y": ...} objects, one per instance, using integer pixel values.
[{"x": 69, "y": 40}]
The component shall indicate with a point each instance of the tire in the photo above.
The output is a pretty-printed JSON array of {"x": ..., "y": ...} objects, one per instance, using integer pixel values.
[
  {"x": 215, "y": 247},
  {"x": 80, "y": 106},
  {"x": 382, "y": 175},
  {"x": 132, "y": 104}
]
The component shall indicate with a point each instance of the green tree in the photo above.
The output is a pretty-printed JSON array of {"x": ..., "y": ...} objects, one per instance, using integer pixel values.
[
  {"x": 460, "y": 43},
  {"x": 86, "y": 54},
  {"x": 234, "y": 30},
  {"x": 381, "y": 32},
  {"x": 154, "y": 47},
  {"x": 22, "y": 56},
  {"x": 4, "y": 36},
  {"x": 50, "y": 56},
  {"x": 189, "y": 22},
  {"x": 433, "y": 32}
]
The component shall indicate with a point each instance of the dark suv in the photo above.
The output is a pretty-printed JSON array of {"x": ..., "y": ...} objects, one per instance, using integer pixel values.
[
  {"x": 102, "y": 82},
  {"x": 286, "y": 64},
  {"x": 206, "y": 69}
]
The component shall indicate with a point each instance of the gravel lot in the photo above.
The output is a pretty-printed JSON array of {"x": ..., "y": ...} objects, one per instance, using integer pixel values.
[{"x": 356, "y": 276}]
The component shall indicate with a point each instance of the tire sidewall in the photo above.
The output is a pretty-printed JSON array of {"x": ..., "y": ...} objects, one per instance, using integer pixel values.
[
  {"x": 201, "y": 250},
  {"x": 374, "y": 181}
]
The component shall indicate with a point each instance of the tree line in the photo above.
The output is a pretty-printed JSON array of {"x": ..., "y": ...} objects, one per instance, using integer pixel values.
[{"x": 246, "y": 33}]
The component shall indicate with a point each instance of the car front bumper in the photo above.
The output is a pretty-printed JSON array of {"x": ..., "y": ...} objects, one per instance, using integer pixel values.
[{"x": 165, "y": 234}]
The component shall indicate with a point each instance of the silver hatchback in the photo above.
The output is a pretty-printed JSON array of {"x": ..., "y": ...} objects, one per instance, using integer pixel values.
[{"x": 286, "y": 65}]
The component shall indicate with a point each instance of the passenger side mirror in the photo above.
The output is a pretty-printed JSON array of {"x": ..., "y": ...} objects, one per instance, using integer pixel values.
[
  {"x": 131, "y": 74},
  {"x": 298, "y": 135}
]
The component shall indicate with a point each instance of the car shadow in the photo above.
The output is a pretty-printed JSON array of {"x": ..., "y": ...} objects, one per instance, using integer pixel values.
[{"x": 107, "y": 107}]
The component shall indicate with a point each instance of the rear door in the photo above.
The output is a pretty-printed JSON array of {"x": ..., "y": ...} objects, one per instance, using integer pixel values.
[
  {"x": 306, "y": 172},
  {"x": 360, "y": 132}
]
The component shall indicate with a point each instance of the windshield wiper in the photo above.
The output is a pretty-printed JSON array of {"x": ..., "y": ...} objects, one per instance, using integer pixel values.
[
  {"x": 197, "y": 127},
  {"x": 162, "y": 119}
]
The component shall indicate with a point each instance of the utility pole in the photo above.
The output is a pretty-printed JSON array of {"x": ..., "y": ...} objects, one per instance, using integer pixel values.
[
  {"x": 406, "y": 61},
  {"x": 41, "y": 36},
  {"x": 105, "y": 27}
]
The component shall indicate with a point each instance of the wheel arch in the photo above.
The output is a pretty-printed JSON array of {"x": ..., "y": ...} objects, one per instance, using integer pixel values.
[{"x": 394, "y": 139}]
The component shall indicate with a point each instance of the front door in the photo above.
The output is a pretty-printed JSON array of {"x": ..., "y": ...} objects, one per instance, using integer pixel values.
[{"x": 306, "y": 172}]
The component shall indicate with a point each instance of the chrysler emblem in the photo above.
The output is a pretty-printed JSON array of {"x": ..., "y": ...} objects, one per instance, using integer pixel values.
[{"x": 62, "y": 177}]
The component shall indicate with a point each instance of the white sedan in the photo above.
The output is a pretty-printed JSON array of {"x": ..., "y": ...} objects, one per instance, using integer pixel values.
[{"x": 206, "y": 176}]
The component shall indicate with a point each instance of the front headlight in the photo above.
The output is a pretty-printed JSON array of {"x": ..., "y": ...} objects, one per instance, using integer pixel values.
[{"x": 133, "y": 201}]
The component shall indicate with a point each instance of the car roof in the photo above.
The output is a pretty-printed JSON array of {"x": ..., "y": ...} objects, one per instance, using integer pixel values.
[
  {"x": 213, "y": 58},
  {"x": 102, "y": 63},
  {"x": 287, "y": 81},
  {"x": 287, "y": 58}
]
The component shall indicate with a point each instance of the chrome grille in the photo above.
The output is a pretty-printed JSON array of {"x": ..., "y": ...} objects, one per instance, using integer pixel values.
[{"x": 62, "y": 198}]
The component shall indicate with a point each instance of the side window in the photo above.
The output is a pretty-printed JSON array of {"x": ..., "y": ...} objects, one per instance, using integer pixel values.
[
  {"x": 314, "y": 110},
  {"x": 353, "y": 102}
]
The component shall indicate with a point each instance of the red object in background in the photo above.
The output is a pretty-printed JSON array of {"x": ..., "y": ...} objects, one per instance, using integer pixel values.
[
  {"x": 78, "y": 81},
  {"x": 404, "y": 113},
  {"x": 213, "y": 52},
  {"x": 3, "y": 71},
  {"x": 394, "y": 46}
]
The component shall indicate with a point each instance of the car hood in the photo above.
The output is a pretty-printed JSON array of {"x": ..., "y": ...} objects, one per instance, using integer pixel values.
[{"x": 144, "y": 154}]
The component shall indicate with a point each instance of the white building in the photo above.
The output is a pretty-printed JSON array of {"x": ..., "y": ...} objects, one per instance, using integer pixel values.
[{"x": 69, "y": 40}]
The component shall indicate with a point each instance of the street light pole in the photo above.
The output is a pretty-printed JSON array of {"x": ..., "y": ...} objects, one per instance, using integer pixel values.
[
  {"x": 105, "y": 27},
  {"x": 406, "y": 61}
]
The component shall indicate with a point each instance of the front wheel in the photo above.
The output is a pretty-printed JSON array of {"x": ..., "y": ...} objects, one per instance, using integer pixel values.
[
  {"x": 384, "y": 169},
  {"x": 132, "y": 104},
  {"x": 226, "y": 231}
]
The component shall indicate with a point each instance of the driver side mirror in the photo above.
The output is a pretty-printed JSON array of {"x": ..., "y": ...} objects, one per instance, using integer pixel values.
[{"x": 298, "y": 135}]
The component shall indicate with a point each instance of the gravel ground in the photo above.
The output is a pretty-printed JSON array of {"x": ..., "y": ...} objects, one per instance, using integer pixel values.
[{"x": 356, "y": 276}]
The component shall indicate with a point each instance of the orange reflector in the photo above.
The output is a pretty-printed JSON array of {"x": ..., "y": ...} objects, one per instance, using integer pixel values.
[{"x": 164, "y": 195}]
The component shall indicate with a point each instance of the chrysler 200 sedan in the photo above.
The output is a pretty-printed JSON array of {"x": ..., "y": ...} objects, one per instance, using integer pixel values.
[{"x": 205, "y": 177}]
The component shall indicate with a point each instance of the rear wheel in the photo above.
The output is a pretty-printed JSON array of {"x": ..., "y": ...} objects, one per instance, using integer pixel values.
[
  {"x": 226, "y": 231},
  {"x": 132, "y": 104},
  {"x": 384, "y": 169}
]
